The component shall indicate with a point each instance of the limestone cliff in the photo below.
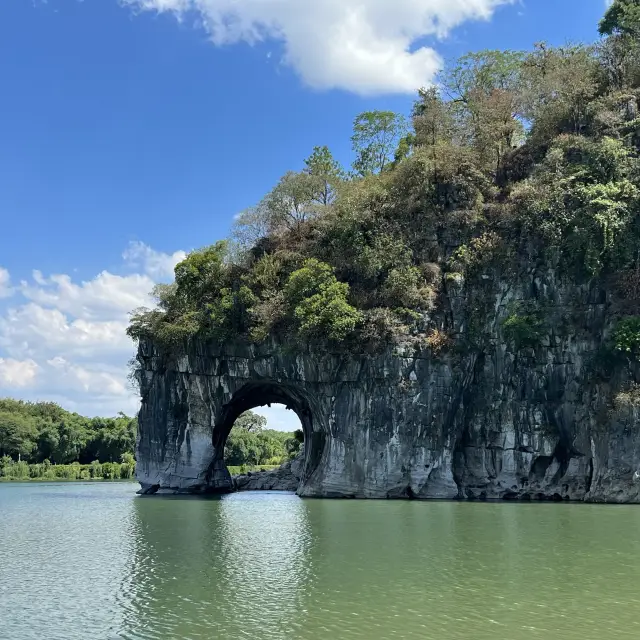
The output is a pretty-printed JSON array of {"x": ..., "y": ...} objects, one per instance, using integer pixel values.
[{"x": 488, "y": 420}]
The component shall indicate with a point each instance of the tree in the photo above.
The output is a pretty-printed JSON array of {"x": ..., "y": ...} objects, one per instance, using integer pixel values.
[
  {"x": 620, "y": 51},
  {"x": 306, "y": 282},
  {"x": 291, "y": 202},
  {"x": 250, "y": 225},
  {"x": 622, "y": 17},
  {"x": 201, "y": 274},
  {"x": 320, "y": 303},
  {"x": 582, "y": 199},
  {"x": 17, "y": 434},
  {"x": 375, "y": 138},
  {"x": 327, "y": 174},
  {"x": 73, "y": 437},
  {"x": 45, "y": 431},
  {"x": 433, "y": 120},
  {"x": 48, "y": 441},
  {"x": 485, "y": 89},
  {"x": 250, "y": 422},
  {"x": 298, "y": 196},
  {"x": 483, "y": 72},
  {"x": 110, "y": 438},
  {"x": 558, "y": 85},
  {"x": 294, "y": 443},
  {"x": 250, "y": 448}
]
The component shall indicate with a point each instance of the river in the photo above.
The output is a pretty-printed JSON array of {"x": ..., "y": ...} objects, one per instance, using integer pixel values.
[{"x": 81, "y": 561}]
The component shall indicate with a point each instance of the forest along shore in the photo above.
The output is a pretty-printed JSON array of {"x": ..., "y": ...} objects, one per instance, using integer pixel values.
[
  {"x": 21, "y": 471},
  {"x": 41, "y": 441}
]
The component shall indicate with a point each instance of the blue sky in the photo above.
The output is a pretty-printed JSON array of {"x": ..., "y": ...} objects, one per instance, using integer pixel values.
[{"x": 129, "y": 135}]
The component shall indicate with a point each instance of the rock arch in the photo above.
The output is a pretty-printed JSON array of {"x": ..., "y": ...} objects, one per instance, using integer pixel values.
[
  {"x": 394, "y": 424},
  {"x": 378, "y": 426},
  {"x": 255, "y": 394}
]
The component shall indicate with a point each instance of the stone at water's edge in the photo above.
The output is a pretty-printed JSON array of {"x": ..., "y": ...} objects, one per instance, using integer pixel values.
[
  {"x": 496, "y": 422},
  {"x": 285, "y": 478}
]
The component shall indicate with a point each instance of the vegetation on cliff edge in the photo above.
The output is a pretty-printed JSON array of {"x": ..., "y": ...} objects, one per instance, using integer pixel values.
[{"x": 531, "y": 153}]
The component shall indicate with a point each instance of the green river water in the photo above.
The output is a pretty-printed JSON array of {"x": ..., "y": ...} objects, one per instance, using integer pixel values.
[{"x": 95, "y": 561}]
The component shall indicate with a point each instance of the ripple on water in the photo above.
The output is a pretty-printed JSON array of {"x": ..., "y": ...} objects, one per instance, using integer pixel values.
[{"x": 94, "y": 561}]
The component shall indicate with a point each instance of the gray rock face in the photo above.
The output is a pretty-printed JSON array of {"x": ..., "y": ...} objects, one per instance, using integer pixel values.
[
  {"x": 285, "y": 478},
  {"x": 485, "y": 422}
]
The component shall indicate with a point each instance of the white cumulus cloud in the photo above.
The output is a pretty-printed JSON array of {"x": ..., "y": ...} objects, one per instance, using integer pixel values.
[
  {"x": 17, "y": 373},
  {"x": 107, "y": 296},
  {"x": 64, "y": 340},
  {"x": 32, "y": 329},
  {"x": 365, "y": 46},
  {"x": 5, "y": 284},
  {"x": 154, "y": 263}
]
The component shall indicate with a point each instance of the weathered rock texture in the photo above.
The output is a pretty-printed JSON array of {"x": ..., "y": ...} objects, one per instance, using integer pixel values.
[
  {"x": 488, "y": 420},
  {"x": 284, "y": 478}
]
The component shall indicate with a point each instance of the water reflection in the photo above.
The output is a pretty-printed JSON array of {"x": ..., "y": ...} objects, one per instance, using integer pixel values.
[
  {"x": 226, "y": 568},
  {"x": 84, "y": 561},
  {"x": 64, "y": 551}
]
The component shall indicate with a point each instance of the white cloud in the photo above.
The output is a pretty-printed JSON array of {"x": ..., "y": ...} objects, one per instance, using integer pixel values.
[
  {"x": 107, "y": 296},
  {"x": 65, "y": 341},
  {"x": 5, "y": 284},
  {"x": 89, "y": 379},
  {"x": 32, "y": 329},
  {"x": 365, "y": 46},
  {"x": 279, "y": 417},
  {"x": 17, "y": 373},
  {"x": 155, "y": 264}
]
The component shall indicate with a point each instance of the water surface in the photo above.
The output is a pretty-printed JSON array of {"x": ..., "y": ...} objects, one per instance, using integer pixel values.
[{"x": 81, "y": 561}]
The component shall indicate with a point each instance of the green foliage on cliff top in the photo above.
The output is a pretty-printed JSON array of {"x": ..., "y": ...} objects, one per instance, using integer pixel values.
[{"x": 520, "y": 154}]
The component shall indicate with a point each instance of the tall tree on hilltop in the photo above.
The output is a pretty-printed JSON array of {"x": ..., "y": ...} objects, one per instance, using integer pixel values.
[
  {"x": 558, "y": 84},
  {"x": 622, "y": 17},
  {"x": 326, "y": 173},
  {"x": 433, "y": 121},
  {"x": 620, "y": 50},
  {"x": 485, "y": 88},
  {"x": 375, "y": 138},
  {"x": 291, "y": 202}
]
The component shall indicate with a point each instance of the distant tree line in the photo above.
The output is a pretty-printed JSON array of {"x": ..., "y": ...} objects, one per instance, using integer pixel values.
[
  {"x": 35, "y": 432},
  {"x": 37, "y": 436}
]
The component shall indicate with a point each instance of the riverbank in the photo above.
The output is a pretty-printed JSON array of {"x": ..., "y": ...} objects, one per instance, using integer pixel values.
[
  {"x": 247, "y": 468},
  {"x": 12, "y": 471},
  {"x": 46, "y": 472},
  {"x": 57, "y": 480}
]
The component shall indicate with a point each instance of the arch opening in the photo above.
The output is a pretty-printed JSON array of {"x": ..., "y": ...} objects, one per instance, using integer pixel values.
[
  {"x": 263, "y": 394},
  {"x": 263, "y": 438}
]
